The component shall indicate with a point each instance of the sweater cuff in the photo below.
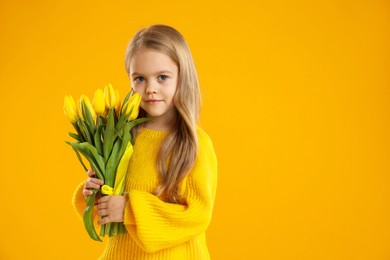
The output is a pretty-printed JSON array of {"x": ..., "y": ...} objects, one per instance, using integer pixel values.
[
  {"x": 78, "y": 200},
  {"x": 128, "y": 215}
]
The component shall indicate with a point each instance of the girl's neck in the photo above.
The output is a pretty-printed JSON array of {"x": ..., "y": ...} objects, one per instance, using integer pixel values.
[
  {"x": 160, "y": 124},
  {"x": 155, "y": 126}
]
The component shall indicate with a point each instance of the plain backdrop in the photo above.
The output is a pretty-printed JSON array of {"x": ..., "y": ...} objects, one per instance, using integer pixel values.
[{"x": 295, "y": 98}]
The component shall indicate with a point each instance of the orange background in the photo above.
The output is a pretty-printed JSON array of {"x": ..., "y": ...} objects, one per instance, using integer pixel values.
[{"x": 296, "y": 99}]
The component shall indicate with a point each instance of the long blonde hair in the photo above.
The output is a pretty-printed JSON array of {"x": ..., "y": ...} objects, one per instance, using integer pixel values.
[{"x": 178, "y": 151}]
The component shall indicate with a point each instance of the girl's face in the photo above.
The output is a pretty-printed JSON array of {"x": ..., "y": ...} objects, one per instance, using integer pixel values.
[{"x": 154, "y": 76}]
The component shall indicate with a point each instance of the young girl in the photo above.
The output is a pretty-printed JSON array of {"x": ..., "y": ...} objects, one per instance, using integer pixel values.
[{"x": 172, "y": 174}]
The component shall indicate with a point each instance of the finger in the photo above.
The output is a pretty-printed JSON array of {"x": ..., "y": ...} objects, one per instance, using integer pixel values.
[
  {"x": 91, "y": 172},
  {"x": 104, "y": 199},
  {"x": 104, "y": 220},
  {"x": 89, "y": 184},
  {"x": 87, "y": 192},
  {"x": 102, "y": 212},
  {"x": 102, "y": 205},
  {"x": 97, "y": 181}
]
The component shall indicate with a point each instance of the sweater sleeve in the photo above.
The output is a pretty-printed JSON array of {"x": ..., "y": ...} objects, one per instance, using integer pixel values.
[
  {"x": 78, "y": 200},
  {"x": 157, "y": 225}
]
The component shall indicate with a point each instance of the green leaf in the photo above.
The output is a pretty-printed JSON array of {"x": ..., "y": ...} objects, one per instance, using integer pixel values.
[
  {"x": 98, "y": 158},
  {"x": 110, "y": 135},
  {"x": 74, "y": 136},
  {"x": 80, "y": 159},
  {"x": 126, "y": 139},
  {"x": 88, "y": 216},
  {"x": 138, "y": 121},
  {"x": 119, "y": 133},
  {"x": 77, "y": 128},
  {"x": 89, "y": 122},
  {"x": 121, "y": 122},
  {"x": 116, "y": 155},
  {"x": 95, "y": 163},
  {"x": 84, "y": 130},
  {"x": 103, "y": 133},
  {"x": 98, "y": 140},
  {"x": 115, "y": 117},
  {"x": 112, "y": 164}
]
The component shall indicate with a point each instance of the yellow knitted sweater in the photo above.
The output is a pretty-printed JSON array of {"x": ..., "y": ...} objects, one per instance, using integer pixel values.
[{"x": 158, "y": 230}]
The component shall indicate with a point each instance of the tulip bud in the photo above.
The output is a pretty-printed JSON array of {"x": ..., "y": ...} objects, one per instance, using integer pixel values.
[
  {"x": 70, "y": 108},
  {"x": 133, "y": 106},
  {"x": 111, "y": 96},
  {"x": 99, "y": 103},
  {"x": 85, "y": 103}
]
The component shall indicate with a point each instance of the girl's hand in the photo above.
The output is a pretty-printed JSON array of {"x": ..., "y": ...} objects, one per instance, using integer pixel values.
[
  {"x": 111, "y": 208},
  {"x": 91, "y": 183}
]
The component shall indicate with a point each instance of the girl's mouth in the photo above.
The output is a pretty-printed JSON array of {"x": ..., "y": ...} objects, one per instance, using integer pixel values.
[{"x": 152, "y": 101}]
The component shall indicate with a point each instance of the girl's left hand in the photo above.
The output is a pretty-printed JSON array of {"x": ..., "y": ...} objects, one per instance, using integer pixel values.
[{"x": 111, "y": 208}]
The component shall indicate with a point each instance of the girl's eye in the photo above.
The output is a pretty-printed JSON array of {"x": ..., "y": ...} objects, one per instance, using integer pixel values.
[
  {"x": 162, "y": 77},
  {"x": 139, "y": 79}
]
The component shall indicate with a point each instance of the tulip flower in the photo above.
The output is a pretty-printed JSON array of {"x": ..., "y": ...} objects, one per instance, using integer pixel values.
[
  {"x": 80, "y": 108},
  {"x": 84, "y": 101},
  {"x": 70, "y": 108},
  {"x": 132, "y": 108},
  {"x": 99, "y": 103},
  {"x": 111, "y": 96}
]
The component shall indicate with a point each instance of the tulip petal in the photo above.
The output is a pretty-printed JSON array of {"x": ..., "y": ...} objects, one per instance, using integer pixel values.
[
  {"x": 70, "y": 108},
  {"x": 132, "y": 108},
  {"x": 125, "y": 101},
  {"x": 99, "y": 102}
]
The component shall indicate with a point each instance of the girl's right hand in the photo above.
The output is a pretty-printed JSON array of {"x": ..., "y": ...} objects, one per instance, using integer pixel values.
[{"x": 91, "y": 183}]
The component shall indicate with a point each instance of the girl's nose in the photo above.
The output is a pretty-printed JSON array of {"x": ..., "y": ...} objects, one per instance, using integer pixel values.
[{"x": 150, "y": 89}]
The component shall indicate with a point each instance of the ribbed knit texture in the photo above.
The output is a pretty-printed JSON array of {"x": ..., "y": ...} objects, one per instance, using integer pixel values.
[{"x": 158, "y": 230}]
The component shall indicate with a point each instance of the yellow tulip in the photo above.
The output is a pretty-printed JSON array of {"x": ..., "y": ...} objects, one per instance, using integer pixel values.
[
  {"x": 99, "y": 103},
  {"x": 118, "y": 108},
  {"x": 70, "y": 108},
  {"x": 133, "y": 106},
  {"x": 111, "y": 96},
  {"x": 85, "y": 100}
]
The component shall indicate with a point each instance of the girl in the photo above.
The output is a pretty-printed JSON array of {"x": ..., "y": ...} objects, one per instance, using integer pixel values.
[{"x": 172, "y": 174}]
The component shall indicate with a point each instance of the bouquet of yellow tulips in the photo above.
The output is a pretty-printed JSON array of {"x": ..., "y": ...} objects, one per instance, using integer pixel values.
[{"x": 103, "y": 138}]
